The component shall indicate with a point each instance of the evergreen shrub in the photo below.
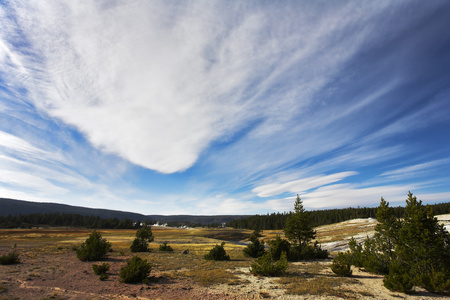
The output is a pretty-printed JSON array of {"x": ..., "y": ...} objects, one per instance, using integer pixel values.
[
  {"x": 10, "y": 258},
  {"x": 217, "y": 253},
  {"x": 100, "y": 269},
  {"x": 94, "y": 248},
  {"x": 267, "y": 266},
  {"x": 136, "y": 270},
  {"x": 341, "y": 265},
  {"x": 165, "y": 247},
  {"x": 256, "y": 248},
  {"x": 278, "y": 246},
  {"x": 144, "y": 236}
]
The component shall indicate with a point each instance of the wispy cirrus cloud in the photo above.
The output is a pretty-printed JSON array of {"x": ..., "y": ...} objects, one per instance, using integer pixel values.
[
  {"x": 223, "y": 102},
  {"x": 171, "y": 98},
  {"x": 300, "y": 185}
]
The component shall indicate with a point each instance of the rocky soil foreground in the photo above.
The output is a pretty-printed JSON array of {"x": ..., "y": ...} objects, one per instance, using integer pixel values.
[{"x": 62, "y": 276}]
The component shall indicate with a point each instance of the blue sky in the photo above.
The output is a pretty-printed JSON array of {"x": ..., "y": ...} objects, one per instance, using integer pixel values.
[{"x": 224, "y": 107}]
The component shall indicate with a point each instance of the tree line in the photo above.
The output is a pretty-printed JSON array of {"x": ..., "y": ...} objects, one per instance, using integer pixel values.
[
  {"x": 72, "y": 220},
  {"x": 277, "y": 221}
]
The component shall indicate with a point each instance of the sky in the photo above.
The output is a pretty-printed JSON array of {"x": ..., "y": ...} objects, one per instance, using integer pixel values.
[{"x": 224, "y": 107}]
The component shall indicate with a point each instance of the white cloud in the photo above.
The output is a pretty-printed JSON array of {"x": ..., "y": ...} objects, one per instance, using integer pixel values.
[
  {"x": 157, "y": 84},
  {"x": 346, "y": 195},
  {"x": 415, "y": 169},
  {"x": 300, "y": 186}
]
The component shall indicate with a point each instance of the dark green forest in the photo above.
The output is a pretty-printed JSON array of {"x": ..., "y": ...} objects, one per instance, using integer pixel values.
[
  {"x": 70, "y": 220},
  {"x": 276, "y": 221}
]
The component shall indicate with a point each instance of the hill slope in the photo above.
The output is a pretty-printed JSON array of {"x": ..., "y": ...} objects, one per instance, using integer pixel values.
[{"x": 15, "y": 207}]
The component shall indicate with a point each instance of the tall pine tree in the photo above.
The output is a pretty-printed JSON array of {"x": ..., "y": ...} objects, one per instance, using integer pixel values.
[{"x": 299, "y": 225}]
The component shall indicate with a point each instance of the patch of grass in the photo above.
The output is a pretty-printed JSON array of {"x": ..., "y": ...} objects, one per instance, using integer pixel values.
[
  {"x": 2, "y": 288},
  {"x": 225, "y": 234},
  {"x": 211, "y": 277},
  {"x": 318, "y": 286}
]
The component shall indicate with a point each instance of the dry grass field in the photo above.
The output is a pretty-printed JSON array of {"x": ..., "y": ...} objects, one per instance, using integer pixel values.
[{"x": 49, "y": 268}]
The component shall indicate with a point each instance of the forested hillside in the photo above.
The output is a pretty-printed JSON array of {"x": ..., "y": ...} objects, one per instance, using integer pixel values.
[
  {"x": 71, "y": 220},
  {"x": 276, "y": 221}
]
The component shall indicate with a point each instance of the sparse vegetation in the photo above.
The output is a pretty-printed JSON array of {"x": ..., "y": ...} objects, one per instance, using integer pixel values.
[
  {"x": 211, "y": 277},
  {"x": 47, "y": 251},
  {"x": 136, "y": 270},
  {"x": 144, "y": 236},
  {"x": 217, "y": 253},
  {"x": 317, "y": 286},
  {"x": 94, "y": 248}
]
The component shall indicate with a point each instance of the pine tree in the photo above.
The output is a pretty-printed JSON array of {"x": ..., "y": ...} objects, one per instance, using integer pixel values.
[
  {"x": 299, "y": 227},
  {"x": 143, "y": 237},
  {"x": 387, "y": 228},
  {"x": 422, "y": 253},
  {"x": 256, "y": 248}
]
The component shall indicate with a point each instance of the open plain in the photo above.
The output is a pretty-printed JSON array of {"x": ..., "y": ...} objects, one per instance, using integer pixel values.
[{"x": 49, "y": 268}]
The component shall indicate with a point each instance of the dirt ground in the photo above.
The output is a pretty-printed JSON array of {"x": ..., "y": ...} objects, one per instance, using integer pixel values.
[
  {"x": 63, "y": 276},
  {"x": 49, "y": 269}
]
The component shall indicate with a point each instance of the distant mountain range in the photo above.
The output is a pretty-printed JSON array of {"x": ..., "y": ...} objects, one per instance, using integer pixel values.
[{"x": 15, "y": 207}]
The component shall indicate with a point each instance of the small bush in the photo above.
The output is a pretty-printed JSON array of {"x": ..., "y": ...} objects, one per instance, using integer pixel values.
[
  {"x": 136, "y": 270},
  {"x": 94, "y": 248},
  {"x": 100, "y": 269},
  {"x": 266, "y": 266},
  {"x": 165, "y": 247},
  {"x": 10, "y": 258},
  {"x": 217, "y": 253},
  {"x": 341, "y": 265}
]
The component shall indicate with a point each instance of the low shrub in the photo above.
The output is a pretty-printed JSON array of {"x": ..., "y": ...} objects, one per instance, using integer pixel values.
[
  {"x": 100, "y": 269},
  {"x": 94, "y": 248},
  {"x": 341, "y": 265},
  {"x": 136, "y": 270},
  {"x": 10, "y": 258},
  {"x": 217, "y": 253},
  {"x": 165, "y": 247},
  {"x": 266, "y": 266}
]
